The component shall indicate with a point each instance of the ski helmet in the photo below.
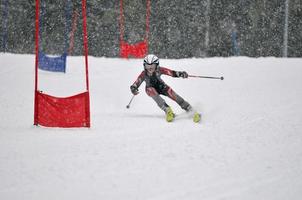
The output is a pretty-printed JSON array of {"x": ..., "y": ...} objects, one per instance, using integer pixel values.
[{"x": 151, "y": 59}]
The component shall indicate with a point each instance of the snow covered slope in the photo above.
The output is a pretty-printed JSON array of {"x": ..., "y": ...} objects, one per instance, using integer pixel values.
[{"x": 248, "y": 146}]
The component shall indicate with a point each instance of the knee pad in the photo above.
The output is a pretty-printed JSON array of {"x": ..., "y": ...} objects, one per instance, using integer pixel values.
[{"x": 151, "y": 91}]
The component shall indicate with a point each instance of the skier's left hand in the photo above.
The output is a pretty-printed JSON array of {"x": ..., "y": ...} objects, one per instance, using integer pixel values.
[
  {"x": 134, "y": 89},
  {"x": 183, "y": 74}
]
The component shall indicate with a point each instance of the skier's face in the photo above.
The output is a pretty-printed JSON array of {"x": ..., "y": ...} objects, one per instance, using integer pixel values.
[{"x": 150, "y": 68}]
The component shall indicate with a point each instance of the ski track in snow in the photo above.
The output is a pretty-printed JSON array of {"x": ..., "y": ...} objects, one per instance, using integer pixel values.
[{"x": 248, "y": 145}]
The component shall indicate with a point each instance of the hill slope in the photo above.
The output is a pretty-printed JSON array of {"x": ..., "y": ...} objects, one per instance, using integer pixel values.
[{"x": 248, "y": 146}]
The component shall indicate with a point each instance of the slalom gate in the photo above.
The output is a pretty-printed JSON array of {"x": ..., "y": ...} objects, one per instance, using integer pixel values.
[
  {"x": 64, "y": 112},
  {"x": 48, "y": 63},
  {"x": 4, "y": 4},
  {"x": 139, "y": 49}
]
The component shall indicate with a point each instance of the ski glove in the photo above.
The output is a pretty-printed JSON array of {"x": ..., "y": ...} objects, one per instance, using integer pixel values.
[
  {"x": 134, "y": 89},
  {"x": 183, "y": 74}
]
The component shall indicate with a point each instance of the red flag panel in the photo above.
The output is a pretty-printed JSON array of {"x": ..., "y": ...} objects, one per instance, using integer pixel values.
[
  {"x": 65, "y": 112},
  {"x": 137, "y": 50}
]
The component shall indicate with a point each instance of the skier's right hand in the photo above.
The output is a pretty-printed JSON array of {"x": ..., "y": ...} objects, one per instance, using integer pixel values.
[{"x": 134, "y": 89}]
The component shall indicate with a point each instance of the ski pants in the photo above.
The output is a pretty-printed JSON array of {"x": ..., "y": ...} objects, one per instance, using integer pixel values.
[{"x": 155, "y": 95}]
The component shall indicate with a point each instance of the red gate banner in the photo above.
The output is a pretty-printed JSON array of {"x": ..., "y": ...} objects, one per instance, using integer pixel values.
[
  {"x": 64, "y": 112},
  {"x": 137, "y": 50}
]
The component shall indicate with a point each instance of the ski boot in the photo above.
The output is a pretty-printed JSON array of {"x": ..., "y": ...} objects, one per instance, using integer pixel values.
[
  {"x": 169, "y": 115},
  {"x": 196, "y": 117}
]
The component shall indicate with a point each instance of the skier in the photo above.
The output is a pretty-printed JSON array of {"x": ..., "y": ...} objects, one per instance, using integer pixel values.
[{"x": 155, "y": 86}]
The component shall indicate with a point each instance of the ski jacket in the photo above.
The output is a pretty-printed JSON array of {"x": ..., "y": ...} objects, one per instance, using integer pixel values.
[{"x": 155, "y": 80}]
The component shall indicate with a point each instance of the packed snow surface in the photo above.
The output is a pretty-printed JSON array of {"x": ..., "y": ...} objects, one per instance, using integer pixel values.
[{"x": 248, "y": 145}]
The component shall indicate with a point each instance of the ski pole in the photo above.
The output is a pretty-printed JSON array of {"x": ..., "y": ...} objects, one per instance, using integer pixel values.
[
  {"x": 128, "y": 106},
  {"x": 211, "y": 77}
]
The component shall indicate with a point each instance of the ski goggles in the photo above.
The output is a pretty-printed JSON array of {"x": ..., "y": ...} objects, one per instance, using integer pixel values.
[{"x": 150, "y": 66}]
